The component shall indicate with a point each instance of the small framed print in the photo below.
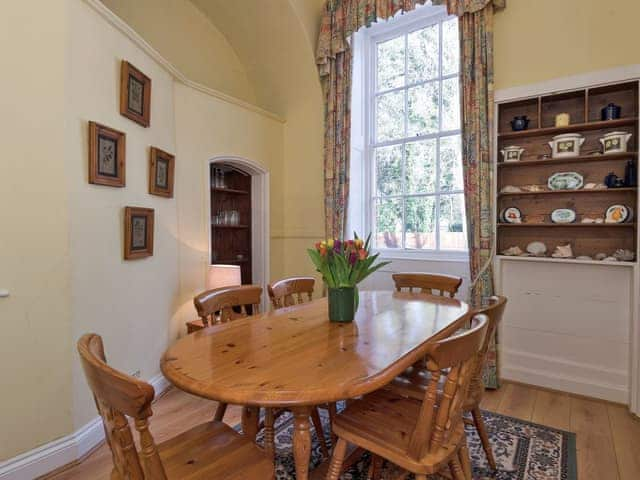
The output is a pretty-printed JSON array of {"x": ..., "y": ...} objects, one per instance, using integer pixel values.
[
  {"x": 138, "y": 232},
  {"x": 161, "y": 168},
  {"x": 107, "y": 160},
  {"x": 135, "y": 94}
]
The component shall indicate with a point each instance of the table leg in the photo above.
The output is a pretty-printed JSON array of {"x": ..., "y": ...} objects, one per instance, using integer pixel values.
[
  {"x": 302, "y": 441},
  {"x": 250, "y": 418}
]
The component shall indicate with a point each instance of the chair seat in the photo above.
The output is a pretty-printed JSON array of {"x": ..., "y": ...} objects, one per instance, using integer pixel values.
[
  {"x": 413, "y": 382},
  {"x": 214, "y": 451},
  {"x": 382, "y": 423}
]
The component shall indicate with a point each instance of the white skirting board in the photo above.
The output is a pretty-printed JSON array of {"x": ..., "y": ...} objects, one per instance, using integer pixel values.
[{"x": 62, "y": 451}]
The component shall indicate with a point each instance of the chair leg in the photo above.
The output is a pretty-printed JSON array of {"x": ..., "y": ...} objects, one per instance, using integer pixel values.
[
  {"x": 220, "y": 411},
  {"x": 375, "y": 467},
  {"x": 269, "y": 434},
  {"x": 317, "y": 424},
  {"x": 484, "y": 437},
  {"x": 339, "y": 452},
  {"x": 456, "y": 469},
  {"x": 465, "y": 460},
  {"x": 333, "y": 411}
]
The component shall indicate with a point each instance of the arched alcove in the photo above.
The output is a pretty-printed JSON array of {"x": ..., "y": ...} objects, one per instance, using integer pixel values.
[{"x": 260, "y": 236}]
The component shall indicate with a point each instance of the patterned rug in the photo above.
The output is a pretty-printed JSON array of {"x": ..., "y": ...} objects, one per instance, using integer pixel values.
[{"x": 523, "y": 451}]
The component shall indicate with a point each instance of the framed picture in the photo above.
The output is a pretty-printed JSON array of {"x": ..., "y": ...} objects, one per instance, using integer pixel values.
[
  {"x": 135, "y": 94},
  {"x": 161, "y": 168},
  {"x": 138, "y": 232},
  {"x": 107, "y": 160}
]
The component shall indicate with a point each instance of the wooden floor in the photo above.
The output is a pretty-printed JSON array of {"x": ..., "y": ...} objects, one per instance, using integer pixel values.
[{"x": 608, "y": 437}]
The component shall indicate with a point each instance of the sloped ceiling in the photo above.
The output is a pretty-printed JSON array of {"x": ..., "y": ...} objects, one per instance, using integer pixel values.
[{"x": 275, "y": 41}]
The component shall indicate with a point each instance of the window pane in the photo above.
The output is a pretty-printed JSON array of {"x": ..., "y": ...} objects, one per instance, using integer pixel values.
[
  {"x": 451, "y": 163},
  {"x": 450, "y": 47},
  {"x": 423, "y": 54},
  {"x": 452, "y": 228},
  {"x": 390, "y": 116},
  {"x": 391, "y": 63},
  {"x": 423, "y": 109},
  {"x": 389, "y": 223},
  {"x": 450, "y": 104},
  {"x": 420, "y": 166},
  {"x": 419, "y": 221},
  {"x": 389, "y": 170}
]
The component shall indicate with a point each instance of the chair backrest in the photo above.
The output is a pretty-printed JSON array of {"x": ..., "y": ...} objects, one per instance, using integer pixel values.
[
  {"x": 290, "y": 291},
  {"x": 228, "y": 303},
  {"x": 116, "y": 395},
  {"x": 494, "y": 311},
  {"x": 441, "y": 411},
  {"x": 432, "y": 283}
]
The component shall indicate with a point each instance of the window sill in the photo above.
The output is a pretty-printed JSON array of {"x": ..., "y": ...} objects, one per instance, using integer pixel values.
[{"x": 443, "y": 256}]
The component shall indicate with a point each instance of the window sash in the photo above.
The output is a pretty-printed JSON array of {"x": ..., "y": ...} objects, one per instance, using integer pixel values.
[{"x": 372, "y": 94}]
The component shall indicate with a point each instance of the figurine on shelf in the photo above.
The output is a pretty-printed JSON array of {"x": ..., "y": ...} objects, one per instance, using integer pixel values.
[{"x": 563, "y": 251}]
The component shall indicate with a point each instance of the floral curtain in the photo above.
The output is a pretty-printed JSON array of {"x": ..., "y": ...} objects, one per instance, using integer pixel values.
[
  {"x": 476, "y": 53},
  {"x": 342, "y": 18}
]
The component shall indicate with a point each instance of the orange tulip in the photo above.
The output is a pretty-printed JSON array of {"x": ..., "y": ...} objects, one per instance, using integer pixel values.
[{"x": 362, "y": 253}]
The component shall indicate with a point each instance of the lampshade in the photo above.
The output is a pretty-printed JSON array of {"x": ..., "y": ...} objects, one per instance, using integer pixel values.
[{"x": 223, "y": 276}]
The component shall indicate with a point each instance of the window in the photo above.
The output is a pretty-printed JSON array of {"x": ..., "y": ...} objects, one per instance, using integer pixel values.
[{"x": 413, "y": 144}]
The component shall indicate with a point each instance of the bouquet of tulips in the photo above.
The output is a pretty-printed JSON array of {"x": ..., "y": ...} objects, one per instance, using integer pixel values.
[{"x": 344, "y": 263}]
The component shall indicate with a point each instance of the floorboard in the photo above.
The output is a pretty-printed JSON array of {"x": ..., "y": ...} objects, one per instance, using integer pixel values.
[{"x": 608, "y": 437}]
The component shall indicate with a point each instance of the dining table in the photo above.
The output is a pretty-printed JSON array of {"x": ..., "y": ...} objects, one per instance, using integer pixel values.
[{"x": 296, "y": 358}]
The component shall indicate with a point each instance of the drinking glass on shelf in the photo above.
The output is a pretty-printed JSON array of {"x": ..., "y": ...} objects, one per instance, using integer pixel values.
[{"x": 235, "y": 217}]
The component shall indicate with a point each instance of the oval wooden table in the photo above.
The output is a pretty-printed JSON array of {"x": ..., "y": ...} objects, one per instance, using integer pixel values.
[{"x": 296, "y": 358}]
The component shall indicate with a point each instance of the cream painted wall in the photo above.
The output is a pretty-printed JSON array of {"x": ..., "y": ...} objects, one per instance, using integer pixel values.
[
  {"x": 130, "y": 303},
  {"x": 185, "y": 37},
  {"x": 35, "y": 372},
  {"x": 285, "y": 78},
  {"x": 208, "y": 128},
  {"x": 547, "y": 39}
]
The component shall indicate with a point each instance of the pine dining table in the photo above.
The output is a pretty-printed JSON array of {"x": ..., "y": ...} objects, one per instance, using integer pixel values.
[{"x": 296, "y": 358}]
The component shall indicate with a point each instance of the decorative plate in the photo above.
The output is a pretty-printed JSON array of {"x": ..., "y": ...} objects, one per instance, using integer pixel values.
[
  {"x": 512, "y": 215},
  {"x": 565, "y": 181},
  {"x": 618, "y": 214},
  {"x": 563, "y": 215}
]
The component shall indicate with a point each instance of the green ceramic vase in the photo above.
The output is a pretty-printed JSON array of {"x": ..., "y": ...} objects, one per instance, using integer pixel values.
[{"x": 343, "y": 303}]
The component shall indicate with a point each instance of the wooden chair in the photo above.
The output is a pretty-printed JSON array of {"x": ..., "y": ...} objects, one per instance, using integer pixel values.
[
  {"x": 291, "y": 291},
  {"x": 208, "y": 451},
  {"x": 414, "y": 384},
  {"x": 225, "y": 304},
  {"x": 421, "y": 436},
  {"x": 428, "y": 283},
  {"x": 285, "y": 293}
]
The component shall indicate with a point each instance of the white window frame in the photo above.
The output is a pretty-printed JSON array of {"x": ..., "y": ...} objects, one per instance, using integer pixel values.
[{"x": 378, "y": 32}]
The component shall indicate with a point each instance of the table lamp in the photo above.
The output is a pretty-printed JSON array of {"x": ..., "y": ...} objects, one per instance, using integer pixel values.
[{"x": 223, "y": 276}]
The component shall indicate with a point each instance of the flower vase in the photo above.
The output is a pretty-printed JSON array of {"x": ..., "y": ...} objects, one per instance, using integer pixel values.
[{"x": 343, "y": 303}]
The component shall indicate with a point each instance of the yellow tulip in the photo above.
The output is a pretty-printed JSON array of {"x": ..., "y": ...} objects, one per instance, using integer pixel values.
[{"x": 330, "y": 243}]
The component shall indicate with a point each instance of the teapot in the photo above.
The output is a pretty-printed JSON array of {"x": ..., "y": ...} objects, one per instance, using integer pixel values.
[
  {"x": 512, "y": 154},
  {"x": 566, "y": 145},
  {"x": 615, "y": 142}
]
